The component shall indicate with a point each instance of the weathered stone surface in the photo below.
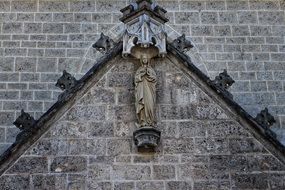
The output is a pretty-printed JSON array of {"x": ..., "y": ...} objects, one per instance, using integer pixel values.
[
  {"x": 48, "y": 181},
  {"x": 68, "y": 164},
  {"x": 91, "y": 147},
  {"x": 29, "y": 165},
  {"x": 17, "y": 182},
  {"x": 163, "y": 172},
  {"x": 131, "y": 172}
]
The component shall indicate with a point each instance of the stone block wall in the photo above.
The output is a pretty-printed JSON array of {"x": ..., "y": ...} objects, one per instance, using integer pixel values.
[
  {"x": 91, "y": 146},
  {"x": 39, "y": 39}
]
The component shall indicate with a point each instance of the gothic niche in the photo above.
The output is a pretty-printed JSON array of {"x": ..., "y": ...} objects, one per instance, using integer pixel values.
[{"x": 145, "y": 38}]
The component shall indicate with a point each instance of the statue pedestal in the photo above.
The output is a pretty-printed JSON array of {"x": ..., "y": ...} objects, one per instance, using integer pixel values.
[{"x": 146, "y": 138}]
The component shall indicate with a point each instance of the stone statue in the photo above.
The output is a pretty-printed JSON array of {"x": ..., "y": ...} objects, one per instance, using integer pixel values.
[{"x": 145, "y": 92}]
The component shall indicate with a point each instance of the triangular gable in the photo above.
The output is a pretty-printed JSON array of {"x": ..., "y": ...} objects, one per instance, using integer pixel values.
[
  {"x": 91, "y": 145},
  {"x": 95, "y": 73}
]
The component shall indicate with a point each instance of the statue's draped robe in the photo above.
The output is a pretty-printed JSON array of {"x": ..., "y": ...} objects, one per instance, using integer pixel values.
[{"x": 145, "y": 81}]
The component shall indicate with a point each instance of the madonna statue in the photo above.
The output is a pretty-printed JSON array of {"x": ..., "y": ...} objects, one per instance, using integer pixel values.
[{"x": 145, "y": 92}]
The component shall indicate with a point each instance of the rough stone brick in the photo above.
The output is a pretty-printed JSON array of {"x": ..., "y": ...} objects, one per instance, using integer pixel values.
[
  {"x": 53, "y": 6},
  {"x": 245, "y": 145},
  {"x": 9, "y": 95},
  {"x": 176, "y": 146},
  {"x": 6, "y": 64},
  {"x": 222, "y": 30},
  {"x": 24, "y": 6},
  {"x": 263, "y": 98},
  {"x": 240, "y": 30},
  {"x": 101, "y": 17},
  {"x": 25, "y": 17},
  {"x": 48, "y": 181},
  {"x": 192, "y": 129},
  {"x": 178, "y": 185},
  {"x": 118, "y": 146},
  {"x": 192, "y": 5},
  {"x": 163, "y": 172},
  {"x": 257, "y": 86},
  {"x": 131, "y": 172},
  {"x": 150, "y": 185},
  {"x": 55, "y": 52},
  {"x": 2, "y": 135},
  {"x": 52, "y": 28},
  {"x": 274, "y": 85},
  {"x": 107, "y": 5},
  {"x": 95, "y": 113},
  {"x": 44, "y": 17},
  {"x": 25, "y": 64},
  {"x": 14, "y": 105},
  {"x": 15, "y": 52},
  {"x": 237, "y": 5},
  {"x": 68, "y": 164},
  {"x": 4, "y": 6},
  {"x": 247, "y": 17},
  {"x": 264, "y": 75},
  {"x": 63, "y": 17},
  {"x": 12, "y": 27},
  {"x": 49, "y": 77},
  {"x": 35, "y": 106},
  {"x": 99, "y": 185},
  {"x": 211, "y": 145},
  {"x": 69, "y": 64},
  {"x": 32, "y": 27},
  {"x": 227, "y": 17},
  {"x": 42, "y": 95},
  {"x": 26, "y": 95},
  {"x": 202, "y": 30},
  {"x": 209, "y": 18},
  {"x": 253, "y": 181},
  {"x": 47, "y": 65},
  {"x": 187, "y": 17},
  {"x": 71, "y": 28},
  {"x": 271, "y": 18},
  {"x": 99, "y": 172},
  {"x": 29, "y": 165},
  {"x": 16, "y": 182},
  {"x": 82, "y": 6},
  {"x": 82, "y": 17},
  {"x": 101, "y": 129},
  {"x": 124, "y": 186}
]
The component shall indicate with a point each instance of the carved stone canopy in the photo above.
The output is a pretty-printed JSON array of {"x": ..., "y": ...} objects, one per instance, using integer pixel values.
[{"x": 144, "y": 30}]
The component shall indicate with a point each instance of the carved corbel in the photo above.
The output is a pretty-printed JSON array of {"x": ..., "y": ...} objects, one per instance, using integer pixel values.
[
  {"x": 182, "y": 44},
  {"x": 223, "y": 82},
  {"x": 25, "y": 122},
  {"x": 66, "y": 82},
  {"x": 104, "y": 44}
]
